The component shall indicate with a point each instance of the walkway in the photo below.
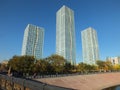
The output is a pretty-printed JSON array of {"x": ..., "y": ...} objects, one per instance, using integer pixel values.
[{"x": 85, "y": 82}]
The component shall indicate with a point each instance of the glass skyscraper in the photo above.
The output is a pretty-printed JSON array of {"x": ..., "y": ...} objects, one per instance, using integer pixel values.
[
  {"x": 65, "y": 34},
  {"x": 33, "y": 41},
  {"x": 90, "y": 46}
]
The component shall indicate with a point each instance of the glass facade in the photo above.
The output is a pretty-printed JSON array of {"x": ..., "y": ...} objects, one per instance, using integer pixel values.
[
  {"x": 65, "y": 34},
  {"x": 90, "y": 46},
  {"x": 33, "y": 41}
]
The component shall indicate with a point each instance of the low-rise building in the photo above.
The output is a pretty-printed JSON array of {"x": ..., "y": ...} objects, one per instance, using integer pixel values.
[{"x": 114, "y": 60}]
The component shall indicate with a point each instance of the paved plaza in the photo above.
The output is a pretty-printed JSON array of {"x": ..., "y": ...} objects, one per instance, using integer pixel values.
[{"x": 85, "y": 82}]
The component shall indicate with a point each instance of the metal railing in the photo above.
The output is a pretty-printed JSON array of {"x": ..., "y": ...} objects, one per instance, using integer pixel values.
[{"x": 39, "y": 76}]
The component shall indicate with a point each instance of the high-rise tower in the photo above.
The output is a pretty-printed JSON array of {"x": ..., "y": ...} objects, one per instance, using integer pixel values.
[
  {"x": 65, "y": 34},
  {"x": 33, "y": 41},
  {"x": 90, "y": 46}
]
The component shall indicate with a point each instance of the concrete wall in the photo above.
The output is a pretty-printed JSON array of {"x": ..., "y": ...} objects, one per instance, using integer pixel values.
[{"x": 12, "y": 83}]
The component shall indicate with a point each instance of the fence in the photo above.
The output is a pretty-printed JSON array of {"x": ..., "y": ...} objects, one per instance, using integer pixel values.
[{"x": 64, "y": 75}]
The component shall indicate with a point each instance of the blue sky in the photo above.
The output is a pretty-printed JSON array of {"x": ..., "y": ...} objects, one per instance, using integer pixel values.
[{"x": 102, "y": 15}]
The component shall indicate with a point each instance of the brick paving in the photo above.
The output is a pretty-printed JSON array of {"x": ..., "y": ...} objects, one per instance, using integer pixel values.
[{"x": 85, "y": 82}]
